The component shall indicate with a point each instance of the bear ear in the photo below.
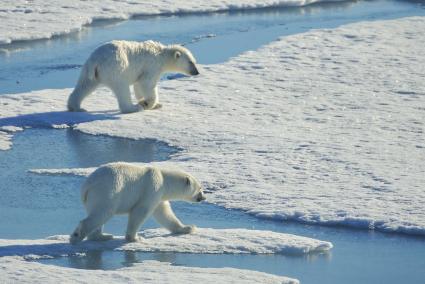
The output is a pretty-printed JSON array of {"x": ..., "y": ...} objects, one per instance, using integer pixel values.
[
  {"x": 187, "y": 181},
  {"x": 177, "y": 54}
]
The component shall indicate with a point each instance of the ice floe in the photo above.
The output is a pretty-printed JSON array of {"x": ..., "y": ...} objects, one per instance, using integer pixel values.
[
  {"x": 325, "y": 127},
  {"x": 14, "y": 256},
  {"x": 204, "y": 240},
  {"x": 18, "y": 270}
]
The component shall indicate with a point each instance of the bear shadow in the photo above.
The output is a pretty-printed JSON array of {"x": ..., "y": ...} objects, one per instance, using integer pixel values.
[
  {"x": 49, "y": 119},
  {"x": 59, "y": 249}
]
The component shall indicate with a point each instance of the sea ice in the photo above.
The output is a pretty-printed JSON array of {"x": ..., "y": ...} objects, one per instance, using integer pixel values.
[{"x": 324, "y": 127}]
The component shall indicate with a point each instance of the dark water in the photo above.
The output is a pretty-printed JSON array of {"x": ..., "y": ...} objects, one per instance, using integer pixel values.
[{"x": 34, "y": 206}]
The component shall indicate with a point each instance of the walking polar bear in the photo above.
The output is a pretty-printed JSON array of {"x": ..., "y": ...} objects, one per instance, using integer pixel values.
[
  {"x": 120, "y": 64},
  {"x": 123, "y": 188}
]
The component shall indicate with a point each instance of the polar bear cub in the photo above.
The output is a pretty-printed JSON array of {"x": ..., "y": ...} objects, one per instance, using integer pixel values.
[
  {"x": 120, "y": 64},
  {"x": 124, "y": 188}
]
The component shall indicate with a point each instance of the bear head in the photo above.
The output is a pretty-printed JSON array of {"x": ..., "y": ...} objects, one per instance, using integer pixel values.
[
  {"x": 195, "y": 190},
  {"x": 182, "y": 61},
  {"x": 182, "y": 186}
]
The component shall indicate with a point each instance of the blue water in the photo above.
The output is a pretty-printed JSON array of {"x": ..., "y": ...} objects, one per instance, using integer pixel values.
[{"x": 34, "y": 206}]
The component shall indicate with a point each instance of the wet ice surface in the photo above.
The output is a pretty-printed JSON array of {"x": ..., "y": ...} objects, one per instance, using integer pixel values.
[{"x": 56, "y": 63}]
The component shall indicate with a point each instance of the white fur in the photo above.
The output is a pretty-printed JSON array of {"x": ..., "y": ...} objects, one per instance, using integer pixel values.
[
  {"x": 120, "y": 64},
  {"x": 123, "y": 188}
]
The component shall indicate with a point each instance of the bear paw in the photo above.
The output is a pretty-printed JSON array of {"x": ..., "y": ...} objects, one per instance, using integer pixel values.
[
  {"x": 157, "y": 106},
  {"x": 189, "y": 229},
  {"x": 149, "y": 106},
  {"x": 144, "y": 104},
  {"x": 132, "y": 239},
  {"x": 75, "y": 237},
  {"x": 100, "y": 237},
  {"x": 77, "y": 109}
]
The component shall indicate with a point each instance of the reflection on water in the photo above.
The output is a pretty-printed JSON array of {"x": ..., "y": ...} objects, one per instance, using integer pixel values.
[
  {"x": 103, "y": 149},
  {"x": 30, "y": 201},
  {"x": 106, "y": 260}
]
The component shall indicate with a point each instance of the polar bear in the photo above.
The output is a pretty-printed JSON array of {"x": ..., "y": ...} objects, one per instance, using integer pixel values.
[
  {"x": 139, "y": 191},
  {"x": 120, "y": 64}
]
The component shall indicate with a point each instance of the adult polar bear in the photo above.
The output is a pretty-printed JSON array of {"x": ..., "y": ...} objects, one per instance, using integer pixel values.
[
  {"x": 120, "y": 64},
  {"x": 123, "y": 188}
]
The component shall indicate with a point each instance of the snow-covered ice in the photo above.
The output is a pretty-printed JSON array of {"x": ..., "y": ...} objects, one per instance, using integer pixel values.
[
  {"x": 18, "y": 270},
  {"x": 324, "y": 127},
  {"x": 204, "y": 240},
  {"x": 28, "y": 20}
]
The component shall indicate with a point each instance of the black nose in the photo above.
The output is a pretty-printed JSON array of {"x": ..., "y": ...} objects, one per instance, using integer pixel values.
[
  {"x": 194, "y": 71},
  {"x": 200, "y": 197}
]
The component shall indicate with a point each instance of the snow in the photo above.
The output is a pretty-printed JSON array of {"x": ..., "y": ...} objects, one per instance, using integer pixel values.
[
  {"x": 204, "y": 240},
  {"x": 29, "y": 20},
  {"x": 325, "y": 127},
  {"x": 17, "y": 270}
]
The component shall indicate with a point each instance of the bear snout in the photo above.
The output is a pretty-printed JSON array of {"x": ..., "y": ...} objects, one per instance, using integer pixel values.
[
  {"x": 194, "y": 71},
  {"x": 200, "y": 197}
]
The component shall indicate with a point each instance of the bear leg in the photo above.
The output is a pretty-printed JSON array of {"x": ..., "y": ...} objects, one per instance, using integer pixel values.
[
  {"x": 146, "y": 95},
  {"x": 98, "y": 235},
  {"x": 123, "y": 95},
  {"x": 136, "y": 218},
  {"x": 87, "y": 226},
  {"x": 84, "y": 88},
  {"x": 165, "y": 216}
]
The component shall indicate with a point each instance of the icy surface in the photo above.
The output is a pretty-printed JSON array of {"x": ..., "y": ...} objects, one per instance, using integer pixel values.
[
  {"x": 5, "y": 141},
  {"x": 27, "y": 20},
  {"x": 324, "y": 127},
  {"x": 18, "y": 270},
  {"x": 204, "y": 240},
  {"x": 6, "y": 138}
]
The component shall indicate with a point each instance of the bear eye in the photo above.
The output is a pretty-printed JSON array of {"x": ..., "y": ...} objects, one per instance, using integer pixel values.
[
  {"x": 187, "y": 180},
  {"x": 177, "y": 54}
]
